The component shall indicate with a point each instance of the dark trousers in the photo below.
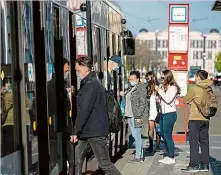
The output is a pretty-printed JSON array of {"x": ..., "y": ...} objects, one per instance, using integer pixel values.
[
  {"x": 101, "y": 152},
  {"x": 54, "y": 153},
  {"x": 199, "y": 136},
  {"x": 166, "y": 130}
]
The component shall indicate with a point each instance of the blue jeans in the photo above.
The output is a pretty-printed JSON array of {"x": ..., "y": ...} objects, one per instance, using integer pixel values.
[
  {"x": 166, "y": 126},
  {"x": 139, "y": 143},
  {"x": 130, "y": 121}
]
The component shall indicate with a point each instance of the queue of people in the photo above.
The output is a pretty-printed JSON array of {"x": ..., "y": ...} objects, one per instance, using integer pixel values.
[{"x": 149, "y": 105}]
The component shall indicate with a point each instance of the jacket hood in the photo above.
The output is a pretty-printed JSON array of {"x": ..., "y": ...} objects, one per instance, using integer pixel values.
[{"x": 205, "y": 83}]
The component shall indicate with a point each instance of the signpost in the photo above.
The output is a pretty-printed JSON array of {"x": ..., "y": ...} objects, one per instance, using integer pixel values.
[{"x": 178, "y": 38}]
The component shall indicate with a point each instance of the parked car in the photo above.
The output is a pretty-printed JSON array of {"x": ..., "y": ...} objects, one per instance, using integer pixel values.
[{"x": 217, "y": 80}]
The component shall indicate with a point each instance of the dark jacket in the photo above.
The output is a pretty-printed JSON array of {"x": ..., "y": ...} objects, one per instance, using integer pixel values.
[
  {"x": 92, "y": 118},
  {"x": 52, "y": 110}
]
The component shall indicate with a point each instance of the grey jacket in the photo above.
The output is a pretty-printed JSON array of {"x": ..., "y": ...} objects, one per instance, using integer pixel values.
[{"x": 139, "y": 103}]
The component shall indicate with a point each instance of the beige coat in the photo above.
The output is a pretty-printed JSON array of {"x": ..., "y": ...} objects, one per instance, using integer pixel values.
[{"x": 196, "y": 93}]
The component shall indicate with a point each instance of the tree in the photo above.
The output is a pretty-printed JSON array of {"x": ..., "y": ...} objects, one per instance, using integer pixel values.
[
  {"x": 143, "y": 55},
  {"x": 218, "y": 62}
]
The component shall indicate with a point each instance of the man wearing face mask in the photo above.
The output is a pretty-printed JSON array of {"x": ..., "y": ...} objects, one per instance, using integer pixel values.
[
  {"x": 91, "y": 126},
  {"x": 113, "y": 64}
]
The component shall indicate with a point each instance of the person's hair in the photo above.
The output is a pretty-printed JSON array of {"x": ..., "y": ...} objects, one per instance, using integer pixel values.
[
  {"x": 202, "y": 74},
  {"x": 84, "y": 61},
  {"x": 136, "y": 73},
  {"x": 169, "y": 80},
  {"x": 152, "y": 83},
  {"x": 65, "y": 61},
  {"x": 6, "y": 80}
]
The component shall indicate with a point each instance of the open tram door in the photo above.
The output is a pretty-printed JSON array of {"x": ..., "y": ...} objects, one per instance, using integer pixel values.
[{"x": 61, "y": 105}]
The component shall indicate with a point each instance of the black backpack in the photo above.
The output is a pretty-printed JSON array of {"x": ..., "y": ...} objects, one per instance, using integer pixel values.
[{"x": 114, "y": 112}]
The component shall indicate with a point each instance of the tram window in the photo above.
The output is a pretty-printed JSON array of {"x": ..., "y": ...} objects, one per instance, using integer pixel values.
[
  {"x": 129, "y": 46},
  {"x": 56, "y": 22},
  {"x": 114, "y": 44}
]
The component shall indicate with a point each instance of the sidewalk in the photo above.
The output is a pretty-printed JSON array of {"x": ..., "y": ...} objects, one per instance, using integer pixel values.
[{"x": 152, "y": 166}]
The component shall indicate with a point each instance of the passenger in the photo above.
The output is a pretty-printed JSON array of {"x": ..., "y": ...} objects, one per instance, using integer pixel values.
[
  {"x": 52, "y": 111},
  {"x": 168, "y": 93},
  {"x": 7, "y": 129},
  {"x": 136, "y": 110},
  {"x": 113, "y": 64},
  {"x": 91, "y": 125},
  {"x": 153, "y": 110},
  {"x": 198, "y": 125}
]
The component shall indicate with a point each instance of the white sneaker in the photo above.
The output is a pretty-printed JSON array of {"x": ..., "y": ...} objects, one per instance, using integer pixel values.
[
  {"x": 164, "y": 159},
  {"x": 168, "y": 161}
]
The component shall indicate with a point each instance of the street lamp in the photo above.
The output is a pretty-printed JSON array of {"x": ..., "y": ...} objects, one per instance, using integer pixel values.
[{"x": 204, "y": 49}]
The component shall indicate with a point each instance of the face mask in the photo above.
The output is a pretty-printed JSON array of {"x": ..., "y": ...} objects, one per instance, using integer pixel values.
[
  {"x": 66, "y": 75},
  {"x": 116, "y": 68},
  {"x": 145, "y": 81},
  {"x": 133, "y": 83},
  {"x": 79, "y": 76}
]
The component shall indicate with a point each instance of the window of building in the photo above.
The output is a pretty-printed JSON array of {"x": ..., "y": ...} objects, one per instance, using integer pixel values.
[
  {"x": 200, "y": 44},
  {"x": 213, "y": 44},
  {"x": 197, "y": 44},
  {"x": 191, "y": 43},
  {"x": 201, "y": 54},
  {"x": 195, "y": 55},
  {"x": 210, "y": 55}
]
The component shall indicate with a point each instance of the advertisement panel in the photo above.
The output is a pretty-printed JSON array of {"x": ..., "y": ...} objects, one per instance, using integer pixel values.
[
  {"x": 178, "y": 38},
  {"x": 177, "y": 61},
  {"x": 181, "y": 78},
  {"x": 81, "y": 40}
]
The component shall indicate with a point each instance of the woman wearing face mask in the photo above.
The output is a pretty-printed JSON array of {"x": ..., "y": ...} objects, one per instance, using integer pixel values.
[
  {"x": 153, "y": 110},
  {"x": 168, "y": 94},
  {"x": 136, "y": 111}
]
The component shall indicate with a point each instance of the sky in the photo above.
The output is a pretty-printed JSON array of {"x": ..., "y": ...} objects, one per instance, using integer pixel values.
[{"x": 153, "y": 15}]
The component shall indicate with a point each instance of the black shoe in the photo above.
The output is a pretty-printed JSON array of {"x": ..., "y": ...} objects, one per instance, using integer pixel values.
[
  {"x": 149, "y": 149},
  {"x": 204, "y": 168},
  {"x": 190, "y": 169},
  {"x": 157, "y": 148}
]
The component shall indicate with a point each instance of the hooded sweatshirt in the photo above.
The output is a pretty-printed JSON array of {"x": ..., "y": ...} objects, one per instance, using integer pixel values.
[{"x": 196, "y": 93}]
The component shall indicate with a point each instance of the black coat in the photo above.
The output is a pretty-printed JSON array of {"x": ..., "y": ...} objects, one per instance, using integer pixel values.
[
  {"x": 52, "y": 111},
  {"x": 92, "y": 118}
]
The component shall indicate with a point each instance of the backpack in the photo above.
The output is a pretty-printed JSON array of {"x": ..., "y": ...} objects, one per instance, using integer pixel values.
[
  {"x": 4, "y": 111},
  {"x": 114, "y": 112},
  {"x": 209, "y": 104}
]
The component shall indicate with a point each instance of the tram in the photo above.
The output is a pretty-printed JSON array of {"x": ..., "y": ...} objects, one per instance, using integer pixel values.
[{"x": 36, "y": 37}]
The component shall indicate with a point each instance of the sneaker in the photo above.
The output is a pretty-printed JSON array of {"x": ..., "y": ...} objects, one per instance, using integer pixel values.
[
  {"x": 141, "y": 160},
  {"x": 162, "y": 160},
  {"x": 168, "y": 161},
  {"x": 204, "y": 168},
  {"x": 190, "y": 169}
]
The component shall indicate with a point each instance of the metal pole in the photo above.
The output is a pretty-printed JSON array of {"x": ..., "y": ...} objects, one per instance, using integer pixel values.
[
  {"x": 204, "y": 51},
  {"x": 89, "y": 30}
]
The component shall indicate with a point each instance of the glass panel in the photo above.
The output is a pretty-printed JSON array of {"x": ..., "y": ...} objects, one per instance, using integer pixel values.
[
  {"x": 29, "y": 96},
  {"x": 10, "y": 156}
]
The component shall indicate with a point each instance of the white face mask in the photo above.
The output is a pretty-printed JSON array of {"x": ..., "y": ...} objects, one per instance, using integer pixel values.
[
  {"x": 66, "y": 75},
  {"x": 79, "y": 76},
  {"x": 133, "y": 83}
]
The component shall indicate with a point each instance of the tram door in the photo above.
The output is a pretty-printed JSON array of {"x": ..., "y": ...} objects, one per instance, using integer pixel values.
[{"x": 59, "y": 89}]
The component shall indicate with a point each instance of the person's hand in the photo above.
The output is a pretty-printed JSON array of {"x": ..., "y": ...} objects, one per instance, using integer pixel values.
[
  {"x": 157, "y": 88},
  {"x": 122, "y": 93},
  {"x": 74, "y": 139}
]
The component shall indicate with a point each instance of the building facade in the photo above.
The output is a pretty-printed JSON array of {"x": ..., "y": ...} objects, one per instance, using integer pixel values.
[{"x": 158, "y": 42}]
